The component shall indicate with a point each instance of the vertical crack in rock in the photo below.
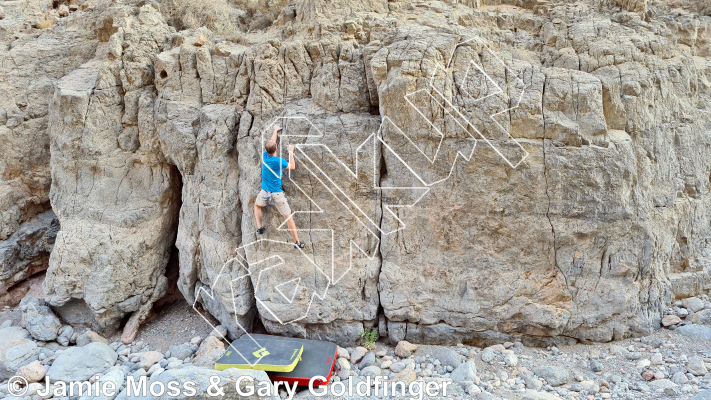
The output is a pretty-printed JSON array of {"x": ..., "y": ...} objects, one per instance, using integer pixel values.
[
  {"x": 548, "y": 210},
  {"x": 382, "y": 173}
]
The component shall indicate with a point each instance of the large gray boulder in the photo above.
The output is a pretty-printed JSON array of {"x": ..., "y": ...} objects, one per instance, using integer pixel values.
[
  {"x": 16, "y": 349},
  {"x": 694, "y": 304},
  {"x": 446, "y": 356},
  {"x": 39, "y": 319},
  {"x": 702, "y": 317},
  {"x": 464, "y": 372},
  {"x": 181, "y": 351},
  {"x": 554, "y": 376},
  {"x": 81, "y": 363},
  {"x": 695, "y": 331}
]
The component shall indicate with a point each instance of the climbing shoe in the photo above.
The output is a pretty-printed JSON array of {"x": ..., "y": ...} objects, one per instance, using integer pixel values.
[
  {"x": 299, "y": 245},
  {"x": 260, "y": 230}
]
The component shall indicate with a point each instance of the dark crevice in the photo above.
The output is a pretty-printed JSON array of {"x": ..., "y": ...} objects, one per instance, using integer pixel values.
[
  {"x": 382, "y": 174},
  {"x": 172, "y": 272},
  {"x": 548, "y": 209},
  {"x": 124, "y": 321},
  {"x": 172, "y": 268}
]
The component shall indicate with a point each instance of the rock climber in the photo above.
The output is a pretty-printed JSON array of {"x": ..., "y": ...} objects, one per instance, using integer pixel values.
[{"x": 272, "y": 193}]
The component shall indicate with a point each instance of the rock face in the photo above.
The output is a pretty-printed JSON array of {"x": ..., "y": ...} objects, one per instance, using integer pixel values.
[
  {"x": 113, "y": 247},
  {"x": 464, "y": 173},
  {"x": 30, "y": 68},
  {"x": 25, "y": 254},
  {"x": 31, "y": 63}
]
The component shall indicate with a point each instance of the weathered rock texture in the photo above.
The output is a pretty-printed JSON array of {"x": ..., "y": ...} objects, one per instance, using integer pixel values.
[
  {"x": 31, "y": 62},
  {"x": 414, "y": 223},
  {"x": 116, "y": 199},
  {"x": 29, "y": 68},
  {"x": 24, "y": 254}
]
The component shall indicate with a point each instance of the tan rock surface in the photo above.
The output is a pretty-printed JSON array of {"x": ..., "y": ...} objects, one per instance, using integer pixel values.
[{"x": 156, "y": 142}]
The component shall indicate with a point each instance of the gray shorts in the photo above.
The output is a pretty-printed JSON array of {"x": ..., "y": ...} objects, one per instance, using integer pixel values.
[{"x": 279, "y": 202}]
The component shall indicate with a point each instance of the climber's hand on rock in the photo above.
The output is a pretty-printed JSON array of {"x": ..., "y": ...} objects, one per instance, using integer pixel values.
[{"x": 291, "y": 149}]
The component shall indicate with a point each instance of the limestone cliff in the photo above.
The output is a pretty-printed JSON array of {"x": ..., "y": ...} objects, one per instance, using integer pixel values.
[{"x": 466, "y": 171}]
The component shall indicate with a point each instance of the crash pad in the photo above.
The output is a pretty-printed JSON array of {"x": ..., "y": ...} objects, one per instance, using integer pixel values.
[
  {"x": 318, "y": 359},
  {"x": 268, "y": 353}
]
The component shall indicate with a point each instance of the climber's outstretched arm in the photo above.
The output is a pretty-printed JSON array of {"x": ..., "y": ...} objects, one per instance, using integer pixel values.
[{"x": 277, "y": 128}]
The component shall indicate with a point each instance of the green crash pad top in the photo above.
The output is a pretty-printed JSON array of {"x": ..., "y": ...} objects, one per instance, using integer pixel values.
[
  {"x": 318, "y": 357},
  {"x": 264, "y": 354}
]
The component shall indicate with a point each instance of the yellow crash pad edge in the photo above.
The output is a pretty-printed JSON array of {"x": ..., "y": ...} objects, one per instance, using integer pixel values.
[{"x": 263, "y": 367}]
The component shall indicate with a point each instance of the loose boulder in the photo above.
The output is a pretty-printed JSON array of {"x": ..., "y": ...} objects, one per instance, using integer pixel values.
[
  {"x": 447, "y": 357},
  {"x": 405, "y": 349},
  {"x": 697, "y": 366},
  {"x": 16, "y": 349},
  {"x": 115, "y": 375},
  {"x": 367, "y": 361},
  {"x": 695, "y": 331},
  {"x": 65, "y": 334},
  {"x": 343, "y": 353},
  {"x": 39, "y": 319},
  {"x": 81, "y": 363},
  {"x": 181, "y": 351},
  {"x": 90, "y": 337},
  {"x": 358, "y": 354},
  {"x": 669, "y": 320},
  {"x": 464, "y": 372},
  {"x": 371, "y": 371},
  {"x": 702, "y": 317},
  {"x": 149, "y": 358},
  {"x": 555, "y": 376},
  {"x": 33, "y": 372},
  {"x": 694, "y": 304},
  {"x": 210, "y": 351},
  {"x": 406, "y": 375}
]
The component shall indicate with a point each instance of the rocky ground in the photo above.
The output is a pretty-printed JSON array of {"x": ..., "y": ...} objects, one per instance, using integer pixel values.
[{"x": 673, "y": 362}]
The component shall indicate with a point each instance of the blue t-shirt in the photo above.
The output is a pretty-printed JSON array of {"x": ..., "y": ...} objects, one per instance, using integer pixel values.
[{"x": 272, "y": 172}]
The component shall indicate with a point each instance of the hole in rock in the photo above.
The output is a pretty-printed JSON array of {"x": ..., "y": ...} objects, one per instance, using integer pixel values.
[
  {"x": 172, "y": 272},
  {"x": 163, "y": 74}
]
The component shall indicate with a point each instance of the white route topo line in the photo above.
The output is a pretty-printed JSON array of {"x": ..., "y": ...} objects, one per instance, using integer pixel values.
[{"x": 360, "y": 215}]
